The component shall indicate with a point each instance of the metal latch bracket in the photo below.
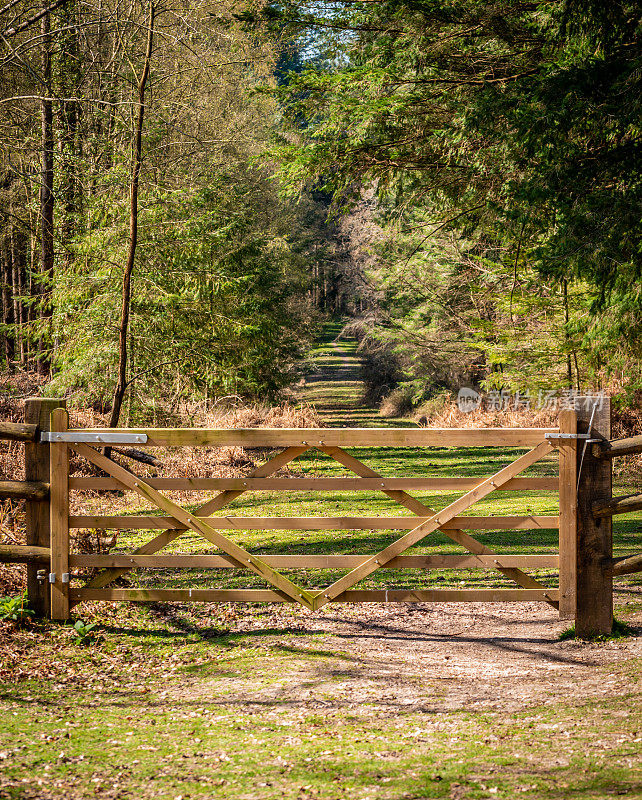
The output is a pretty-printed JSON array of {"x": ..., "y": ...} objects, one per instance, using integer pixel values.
[
  {"x": 109, "y": 437},
  {"x": 583, "y": 436}
]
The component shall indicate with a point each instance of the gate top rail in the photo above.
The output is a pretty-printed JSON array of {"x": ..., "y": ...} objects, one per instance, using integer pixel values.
[{"x": 322, "y": 437}]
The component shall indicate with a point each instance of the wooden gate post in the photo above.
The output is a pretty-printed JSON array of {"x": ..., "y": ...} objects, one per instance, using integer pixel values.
[
  {"x": 59, "y": 507},
  {"x": 568, "y": 514},
  {"x": 594, "y": 604},
  {"x": 38, "y": 412}
]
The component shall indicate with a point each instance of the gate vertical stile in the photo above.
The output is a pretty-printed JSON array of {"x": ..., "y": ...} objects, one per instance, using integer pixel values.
[
  {"x": 59, "y": 523},
  {"x": 568, "y": 514}
]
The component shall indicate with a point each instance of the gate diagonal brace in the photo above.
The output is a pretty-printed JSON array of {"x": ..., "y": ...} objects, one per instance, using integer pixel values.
[
  {"x": 160, "y": 541},
  {"x": 437, "y": 519},
  {"x": 242, "y": 557}
]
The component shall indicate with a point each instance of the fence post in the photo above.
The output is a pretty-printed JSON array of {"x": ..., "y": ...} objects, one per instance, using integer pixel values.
[
  {"x": 568, "y": 514},
  {"x": 594, "y": 606},
  {"x": 38, "y": 412},
  {"x": 59, "y": 507}
]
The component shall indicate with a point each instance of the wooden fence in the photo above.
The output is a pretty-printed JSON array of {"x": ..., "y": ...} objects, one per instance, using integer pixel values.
[{"x": 585, "y": 563}]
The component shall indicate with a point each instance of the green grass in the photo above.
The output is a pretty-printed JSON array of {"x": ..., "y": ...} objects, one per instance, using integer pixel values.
[
  {"x": 620, "y": 630},
  {"x": 160, "y": 712}
]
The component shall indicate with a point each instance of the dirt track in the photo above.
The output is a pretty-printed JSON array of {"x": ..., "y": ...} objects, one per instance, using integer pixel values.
[{"x": 430, "y": 658}]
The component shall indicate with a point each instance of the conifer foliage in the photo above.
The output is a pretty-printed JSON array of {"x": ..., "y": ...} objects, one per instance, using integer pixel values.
[{"x": 503, "y": 140}]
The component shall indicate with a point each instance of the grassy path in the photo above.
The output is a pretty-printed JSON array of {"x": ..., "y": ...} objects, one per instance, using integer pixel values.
[{"x": 334, "y": 387}]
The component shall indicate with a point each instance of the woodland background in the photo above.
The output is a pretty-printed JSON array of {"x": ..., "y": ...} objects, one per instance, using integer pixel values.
[{"x": 187, "y": 189}]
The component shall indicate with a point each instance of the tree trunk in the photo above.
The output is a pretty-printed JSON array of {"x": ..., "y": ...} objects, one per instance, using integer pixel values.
[
  {"x": 18, "y": 259},
  {"x": 31, "y": 315},
  {"x": 121, "y": 385},
  {"x": 45, "y": 278},
  {"x": 7, "y": 311},
  {"x": 16, "y": 292},
  {"x": 67, "y": 88}
]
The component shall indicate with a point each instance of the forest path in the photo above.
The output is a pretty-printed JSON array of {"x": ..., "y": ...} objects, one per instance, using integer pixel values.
[{"x": 335, "y": 386}]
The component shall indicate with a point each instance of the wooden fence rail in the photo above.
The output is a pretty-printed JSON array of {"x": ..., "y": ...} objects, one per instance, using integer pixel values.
[
  {"x": 617, "y": 447},
  {"x": 627, "y": 565},
  {"x": 333, "y": 437},
  {"x": 24, "y": 490},
  {"x": 18, "y": 432},
  {"x": 24, "y": 554},
  {"x": 618, "y": 505}
]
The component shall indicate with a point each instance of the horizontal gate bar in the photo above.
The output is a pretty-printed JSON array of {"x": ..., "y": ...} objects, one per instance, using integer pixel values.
[
  {"x": 336, "y": 437},
  {"x": 314, "y": 561},
  {"x": 315, "y": 484},
  {"x": 350, "y": 596},
  {"x": 316, "y": 523}
]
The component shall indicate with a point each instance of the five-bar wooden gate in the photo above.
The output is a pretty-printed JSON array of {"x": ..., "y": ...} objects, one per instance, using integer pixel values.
[{"x": 450, "y": 520}]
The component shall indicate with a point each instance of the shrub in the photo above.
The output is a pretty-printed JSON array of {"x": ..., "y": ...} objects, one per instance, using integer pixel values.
[
  {"x": 15, "y": 609},
  {"x": 83, "y": 633},
  {"x": 396, "y": 404}
]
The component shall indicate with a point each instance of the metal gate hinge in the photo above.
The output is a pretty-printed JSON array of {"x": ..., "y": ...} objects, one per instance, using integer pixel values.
[
  {"x": 64, "y": 578},
  {"x": 109, "y": 437}
]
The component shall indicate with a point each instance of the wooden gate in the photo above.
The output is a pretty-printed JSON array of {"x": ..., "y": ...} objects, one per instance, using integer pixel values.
[{"x": 293, "y": 443}]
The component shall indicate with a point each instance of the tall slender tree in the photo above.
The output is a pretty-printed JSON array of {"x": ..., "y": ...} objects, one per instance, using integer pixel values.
[{"x": 137, "y": 154}]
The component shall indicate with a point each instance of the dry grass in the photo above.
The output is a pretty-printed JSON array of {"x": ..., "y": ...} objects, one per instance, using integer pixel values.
[
  {"x": 397, "y": 404},
  {"x": 451, "y": 417},
  {"x": 625, "y": 422},
  {"x": 12, "y": 577},
  {"x": 220, "y": 462}
]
